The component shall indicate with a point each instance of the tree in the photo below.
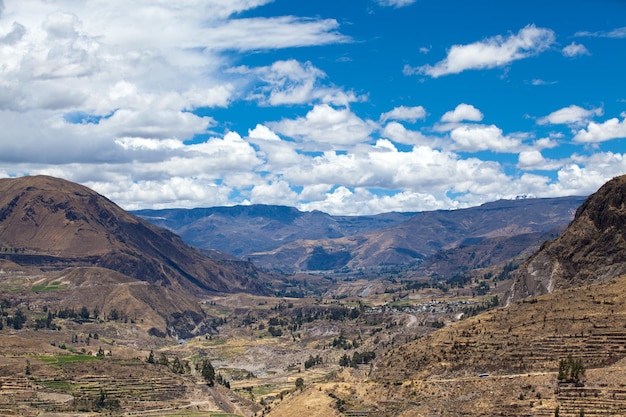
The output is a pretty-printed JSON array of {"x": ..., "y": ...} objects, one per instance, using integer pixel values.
[
  {"x": 84, "y": 313},
  {"x": 19, "y": 318},
  {"x": 300, "y": 384},
  {"x": 150, "y": 357},
  {"x": 571, "y": 370},
  {"x": 208, "y": 372},
  {"x": 177, "y": 366}
]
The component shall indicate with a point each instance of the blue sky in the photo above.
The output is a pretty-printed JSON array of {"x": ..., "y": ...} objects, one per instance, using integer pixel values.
[{"x": 349, "y": 107}]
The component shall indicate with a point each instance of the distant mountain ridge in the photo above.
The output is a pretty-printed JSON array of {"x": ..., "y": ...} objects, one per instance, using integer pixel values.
[
  {"x": 243, "y": 230},
  {"x": 278, "y": 237}
]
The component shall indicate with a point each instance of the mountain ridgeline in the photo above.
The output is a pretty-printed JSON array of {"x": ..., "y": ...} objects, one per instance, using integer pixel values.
[{"x": 283, "y": 238}]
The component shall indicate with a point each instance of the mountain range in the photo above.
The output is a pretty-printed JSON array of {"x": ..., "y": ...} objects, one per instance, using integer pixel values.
[{"x": 285, "y": 239}]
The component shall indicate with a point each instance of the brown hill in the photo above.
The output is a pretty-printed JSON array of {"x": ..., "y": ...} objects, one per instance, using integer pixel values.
[
  {"x": 591, "y": 249},
  {"x": 51, "y": 222},
  {"x": 155, "y": 309}
]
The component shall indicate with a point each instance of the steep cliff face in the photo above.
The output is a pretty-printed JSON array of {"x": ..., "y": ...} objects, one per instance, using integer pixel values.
[{"x": 592, "y": 248}]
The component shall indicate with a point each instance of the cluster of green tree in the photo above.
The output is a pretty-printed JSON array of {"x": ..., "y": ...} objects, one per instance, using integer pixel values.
[
  {"x": 176, "y": 365},
  {"x": 342, "y": 342},
  {"x": 459, "y": 280},
  {"x": 9, "y": 249},
  {"x": 357, "y": 359},
  {"x": 571, "y": 370},
  {"x": 46, "y": 322},
  {"x": 277, "y": 325},
  {"x": 488, "y": 304},
  {"x": 275, "y": 331},
  {"x": 416, "y": 285},
  {"x": 506, "y": 271},
  {"x": 99, "y": 403},
  {"x": 222, "y": 381},
  {"x": 312, "y": 361},
  {"x": 70, "y": 313},
  {"x": 17, "y": 320},
  {"x": 207, "y": 371},
  {"x": 215, "y": 323}
]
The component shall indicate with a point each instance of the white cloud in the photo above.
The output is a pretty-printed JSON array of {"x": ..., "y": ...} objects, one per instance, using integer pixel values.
[
  {"x": 184, "y": 192},
  {"x": 475, "y": 138},
  {"x": 276, "y": 153},
  {"x": 538, "y": 81},
  {"x": 615, "y": 33},
  {"x": 463, "y": 112},
  {"x": 291, "y": 82},
  {"x": 131, "y": 99},
  {"x": 263, "y": 132},
  {"x": 533, "y": 160},
  {"x": 326, "y": 125},
  {"x": 409, "y": 114},
  {"x": 575, "y": 49},
  {"x": 572, "y": 115},
  {"x": 493, "y": 52},
  {"x": 272, "y": 33},
  {"x": 601, "y": 132},
  {"x": 274, "y": 192},
  {"x": 362, "y": 201},
  {"x": 530, "y": 158},
  {"x": 400, "y": 134},
  {"x": 395, "y": 3}
]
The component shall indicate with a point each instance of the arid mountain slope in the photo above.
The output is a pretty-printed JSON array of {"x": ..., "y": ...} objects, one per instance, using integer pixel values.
[
  {"x": 507, "y": 359},
  {"x": 591, "y": 249},
  {"x": 51, "y": 222}
]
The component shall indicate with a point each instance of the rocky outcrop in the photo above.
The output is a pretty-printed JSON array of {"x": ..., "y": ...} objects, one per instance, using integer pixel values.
[{"x": 591, "y": 249}]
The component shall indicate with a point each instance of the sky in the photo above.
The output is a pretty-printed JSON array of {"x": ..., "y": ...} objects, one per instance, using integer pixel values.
[{"x": 348, "y": 107}]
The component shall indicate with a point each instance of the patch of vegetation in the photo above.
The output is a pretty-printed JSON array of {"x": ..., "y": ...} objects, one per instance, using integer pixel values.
[{"x": 66, "y": 358}]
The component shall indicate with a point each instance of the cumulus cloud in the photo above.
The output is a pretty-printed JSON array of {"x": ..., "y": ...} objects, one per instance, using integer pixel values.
[
  {"x": 462, "y": 112},
  {"x": 493, "y": 52},
  {"x": 403, "y": 113},
  {"x": 575, "y": 49},
  {"x": 400, "y": 134},
  {"x": 129, "y": 98},
  {"x": 532, "y": 159},
  {"x": 475, "y": 138},
  {"x": 343, "y": 200},
  {"x": 572, "y": 115},
  {"x": 601, "y": 132},
  {"x": 326, "y": 125}
]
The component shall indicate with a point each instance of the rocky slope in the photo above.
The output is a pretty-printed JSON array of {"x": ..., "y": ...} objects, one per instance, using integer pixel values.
[{"x": 591, "y": 249}]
